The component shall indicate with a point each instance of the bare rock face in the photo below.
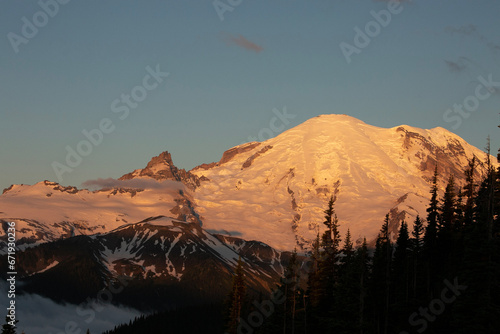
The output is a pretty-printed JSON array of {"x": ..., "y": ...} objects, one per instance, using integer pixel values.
[
  {"x": 231, "y": 153},
  {"x": 162, "y": 168},
  {"x": 205, "y": 166},
  {"x": 250, "y": 160},
  {"x": 7, "y": 189},
  {"x": 429, "y": 154}
]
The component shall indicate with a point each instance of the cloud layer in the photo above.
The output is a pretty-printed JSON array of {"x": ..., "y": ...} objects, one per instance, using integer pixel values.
[
  {"x": 39, "y": 315},
  {"x": 133, "y": 183},
  {"x": 242, "y": 42},
  {"x": 462, "y": 30},
  {"x": 454, "y": 66}
]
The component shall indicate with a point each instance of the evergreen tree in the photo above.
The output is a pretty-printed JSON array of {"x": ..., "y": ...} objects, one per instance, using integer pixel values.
[
  {"x": 330, "y": 253},
  {"x": 448, "y": 209},
  {"x": 331, "y": 237},
  {"x": 401, "y": 274},
  {"x": 416, "y": 235},
  {"x": 485, "y": 199},
  {"x": 362, "y": 261},
  {"x": 481, "y": 272},
  {"x": 432, "y": 214},
  {"x": 8, "y": 328},
  {"x": 327, "y": 267},
  {"x": 479, "y": 308},
  {"x": 471, "y": 310},
  {"x": 313, "y": 293},
  {"x": 400, "y": 263},
  {"x": 289, "y": 316},
  {"x": 292, "y": 294},
  {"x": 345, "y": 305},
  {"x": 402, "y": 244},
  {"x": 459, "y": 212},
  {"x": 380, "y": 282},
  {"x": 495, "y": 247},
  {"x": 496, "y": 202},
  {"x": 469, "y": 193},
  {"x": 416, "y": 244},
  {"x": 430, "y": 238},
  {"x": 446, "y": 241},
  {"x": 347, "y": 252},
  {"x": 237, "y": 297}
]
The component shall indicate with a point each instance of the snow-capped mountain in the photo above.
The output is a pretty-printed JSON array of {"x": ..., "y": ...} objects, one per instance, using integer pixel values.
[
  {"x": 162, "y": 168},
  {"x": 273, "y": 191},
  {"x": 276, "y": 191},
  {"x": 47, "y": 211},
  {"x": 165, "y": 261}
]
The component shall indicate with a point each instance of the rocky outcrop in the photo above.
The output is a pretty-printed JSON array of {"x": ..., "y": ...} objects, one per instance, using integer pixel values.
[
  {"x": 162, "y": 168},
  {"x": 229, "y": 154},
  {"x": 250, "y": 160}
]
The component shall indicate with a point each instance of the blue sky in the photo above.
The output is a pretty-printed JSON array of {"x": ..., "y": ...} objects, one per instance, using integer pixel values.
[{"x": 226, "y": 76}]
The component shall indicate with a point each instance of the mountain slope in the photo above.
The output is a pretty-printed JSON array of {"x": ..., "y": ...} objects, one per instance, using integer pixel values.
[
  {"x": 47, "y": 211},
  {"x": 276, "y": 191},
  {"x": 160, "y": 262}
]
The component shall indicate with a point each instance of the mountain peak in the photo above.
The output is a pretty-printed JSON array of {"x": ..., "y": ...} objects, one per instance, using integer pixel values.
[
  {"x": 333, "y": 118},
  {"x": 274, "y": 191},
  {"x": 164, "y": 158},
  {"x": 343, "y": 117},
  {"x": 285, "y": 182},
  {"x": 162, "y": 168}
]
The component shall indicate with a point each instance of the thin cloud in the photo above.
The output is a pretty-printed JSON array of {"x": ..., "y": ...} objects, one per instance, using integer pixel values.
[
  {"x": 462, "y": 30},
  {"x": 471, "y": 30},
  {"x": 494, "y": 47},
  {"x": 242, "y": 42},
  {"x": 133, "y": 183},
  {"x": 455, "y": 66}
]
